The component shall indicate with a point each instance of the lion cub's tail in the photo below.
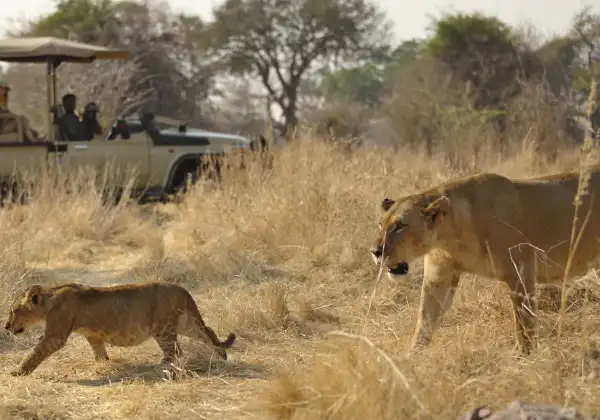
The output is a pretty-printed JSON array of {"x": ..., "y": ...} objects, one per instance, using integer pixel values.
[
  {"x": 193, "y": 309},
  {"x": 215, "y": 340},
  {"x": 229, "y": 341}
]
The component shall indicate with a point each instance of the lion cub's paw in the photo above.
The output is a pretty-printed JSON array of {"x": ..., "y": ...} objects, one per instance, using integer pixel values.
[{"x": 18, "y": 372}]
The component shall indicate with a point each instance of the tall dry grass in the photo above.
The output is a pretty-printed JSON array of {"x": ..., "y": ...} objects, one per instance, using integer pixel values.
[
  {"x": 280, "y": 257},
  {"x": 308, "y": 224}
]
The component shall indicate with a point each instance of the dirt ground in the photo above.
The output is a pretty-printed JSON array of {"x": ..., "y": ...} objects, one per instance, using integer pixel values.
[{"x": 281, "y": 259}]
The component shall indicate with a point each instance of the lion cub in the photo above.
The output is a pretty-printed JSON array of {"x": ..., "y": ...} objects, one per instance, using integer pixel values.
[{"x": 124, "y": 315}]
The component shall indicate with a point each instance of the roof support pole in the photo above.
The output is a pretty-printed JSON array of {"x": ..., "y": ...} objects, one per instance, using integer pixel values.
[{"x": 51, "y": 91}]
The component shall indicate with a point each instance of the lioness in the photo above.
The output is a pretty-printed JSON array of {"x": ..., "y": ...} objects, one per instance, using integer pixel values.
[
  {"x": 124, "y": 315},
  {"x": 516, "y": 231}
]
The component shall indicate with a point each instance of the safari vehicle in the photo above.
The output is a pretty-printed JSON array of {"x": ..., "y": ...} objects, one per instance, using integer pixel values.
[{"x": 161, "y": 151}]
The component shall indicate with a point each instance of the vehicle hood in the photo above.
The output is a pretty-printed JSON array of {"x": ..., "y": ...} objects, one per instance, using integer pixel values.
[{"x": 213, "y": 136}]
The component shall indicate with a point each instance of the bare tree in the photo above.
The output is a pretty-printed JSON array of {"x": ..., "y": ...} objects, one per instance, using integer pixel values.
[
  {"x": 170, "y": 61},
  {"x": 281, "y": 41}
]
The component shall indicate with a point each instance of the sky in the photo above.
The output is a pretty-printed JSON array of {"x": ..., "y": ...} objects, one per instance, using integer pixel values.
[{"x": 410, "y": 19}]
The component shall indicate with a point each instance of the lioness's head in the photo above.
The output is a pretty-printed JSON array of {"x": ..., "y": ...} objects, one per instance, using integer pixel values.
[
  {"x": 408, "y": 229},
  {"x": 27, "y": 310}
]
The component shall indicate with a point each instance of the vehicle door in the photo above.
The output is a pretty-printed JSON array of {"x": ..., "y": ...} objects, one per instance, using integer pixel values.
[{"x": 119, "y": 156}]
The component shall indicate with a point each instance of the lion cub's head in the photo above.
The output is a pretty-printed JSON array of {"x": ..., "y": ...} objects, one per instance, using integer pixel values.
[
  {"x": 408, "y": 229},
  {"x": 28, "y": 309}
]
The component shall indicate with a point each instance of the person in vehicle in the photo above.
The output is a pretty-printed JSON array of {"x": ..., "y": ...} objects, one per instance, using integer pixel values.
[
  {"x": 69, "y": 123},
  {"x": 89, "y": 120},
  {"x": 8, "y": 119}
]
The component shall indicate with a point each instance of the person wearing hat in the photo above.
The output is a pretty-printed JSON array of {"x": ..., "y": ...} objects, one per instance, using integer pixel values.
[
  {"x": 8, "y": 119},
  {"x": 69, "y": 122},
  {"x": 89, "y": 120}
]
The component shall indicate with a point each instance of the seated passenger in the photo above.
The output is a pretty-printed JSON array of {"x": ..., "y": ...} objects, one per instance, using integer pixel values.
[
  {"x": 89, "y": 120},
  {"x": 69, "y": 123},
  {"x": 9, "y": 120}
]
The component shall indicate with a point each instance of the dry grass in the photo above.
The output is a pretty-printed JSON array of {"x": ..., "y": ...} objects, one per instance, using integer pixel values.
[{"x": 281, "y": 258}]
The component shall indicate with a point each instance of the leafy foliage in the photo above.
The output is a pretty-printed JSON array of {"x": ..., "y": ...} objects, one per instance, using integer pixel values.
[
  {"x": 359, "y": 84},
  {"x": 81, "y": 19},
  {"x": 482, "y": 51},
  {"x": 311, "y": 57},
  {"x": 366, "y": 83}
]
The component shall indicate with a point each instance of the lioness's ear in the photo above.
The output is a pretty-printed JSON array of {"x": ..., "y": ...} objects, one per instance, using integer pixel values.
[
  {"x": 34, "y": 294},
  {"x": 387, "y": 204},
  {"x": 433, "y": 210}
]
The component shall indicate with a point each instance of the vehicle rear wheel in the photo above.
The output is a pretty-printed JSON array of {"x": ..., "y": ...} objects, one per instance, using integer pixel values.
[
  {"x": 190, "y": 171},
  {"x": 112, "y": 196},
  {"x": 12, "y": 193},
  {"x": 184, "y": 179}
]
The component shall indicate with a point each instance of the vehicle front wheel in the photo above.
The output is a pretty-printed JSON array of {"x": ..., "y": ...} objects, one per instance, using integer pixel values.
[{"x": 190, "y": 171}]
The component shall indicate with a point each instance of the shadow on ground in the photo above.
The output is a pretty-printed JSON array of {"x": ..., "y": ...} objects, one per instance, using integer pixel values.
[{"x": 122, "y": 371}]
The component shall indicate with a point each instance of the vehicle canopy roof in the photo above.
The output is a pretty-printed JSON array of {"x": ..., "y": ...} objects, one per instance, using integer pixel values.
[
  {"x": 54, "y": 51},
  {"x": 45, "y": 49}
]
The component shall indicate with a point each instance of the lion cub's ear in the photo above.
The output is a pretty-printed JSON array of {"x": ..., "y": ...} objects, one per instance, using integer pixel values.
[
  {"x": 387, "y": 204},
  {"x": 35, "y": 294},
  {"x": 438, "y": 207}
]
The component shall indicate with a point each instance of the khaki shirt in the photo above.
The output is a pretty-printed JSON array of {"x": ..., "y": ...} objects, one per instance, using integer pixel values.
[
  {"x": 10, "y": 125},
  {"x": 7, "y": 125}
]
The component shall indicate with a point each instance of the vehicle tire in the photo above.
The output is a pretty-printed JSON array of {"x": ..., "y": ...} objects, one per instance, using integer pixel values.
[
  {"x": 13, "y": 192},
  {"x": 194, "y": 169},
  {"x": 181, "y": 184},
  {"x": 112, "y": 197},
  {"x": 186, "y": 169}
]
